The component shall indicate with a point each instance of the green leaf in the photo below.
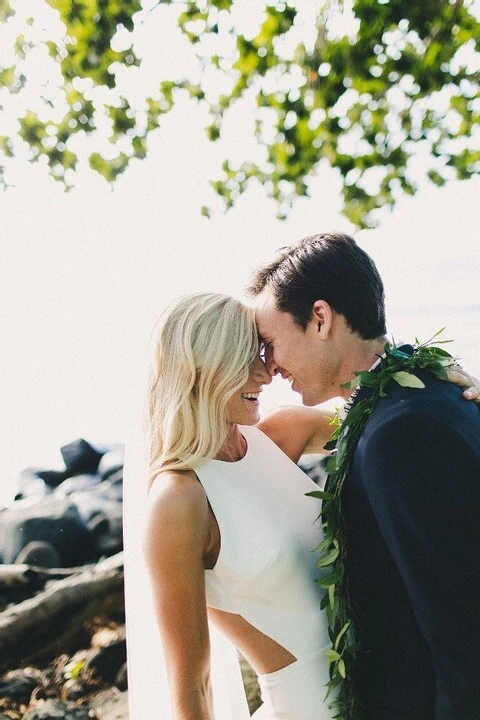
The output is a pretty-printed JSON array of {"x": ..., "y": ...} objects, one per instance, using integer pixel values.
[
  {"x": 331, "y": 596},
  {"x": 320, "y": 494},
  {"x": 6, "y": 10},
  {"x": 341, "y": 634},
  {"x": 332, "y": 577},
  {"x": 332, "y": 655},
  {"x": 328, "y": 558},
  {"x": 73, "y": 670},
  {"x": 407, "y": 379}
]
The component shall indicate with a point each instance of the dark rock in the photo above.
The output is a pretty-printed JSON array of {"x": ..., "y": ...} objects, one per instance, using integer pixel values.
[
  {"x": 74, "y": 690},
  {"x": 17, "y": 686},
  {"x": 57, "y": 710},
  {"x": 74, "y": 515},
  {"x": 101, "y": 510},
  {"x": 111, "y": 462},
  {"x": 53, "y": 478},
  {"x": 315, "y": 467},
  {"x": 80, "y": 457},
  {"x": 98, "y": 526},
  {"x": 107, "y": 661},
  {"x": 54, "y": 520},
  {"x": 41, "y": 554}
]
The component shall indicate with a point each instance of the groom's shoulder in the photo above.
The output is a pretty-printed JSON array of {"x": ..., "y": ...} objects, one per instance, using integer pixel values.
[
  {"x": 427, "y": 427},
  {"x": 438, "y": 400}
]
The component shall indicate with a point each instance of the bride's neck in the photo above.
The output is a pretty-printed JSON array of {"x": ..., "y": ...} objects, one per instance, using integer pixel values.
[{"x": 234, "y": 447}]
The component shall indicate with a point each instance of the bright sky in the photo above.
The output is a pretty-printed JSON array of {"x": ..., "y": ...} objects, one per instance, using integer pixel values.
[{"x": 85, "y": 274}]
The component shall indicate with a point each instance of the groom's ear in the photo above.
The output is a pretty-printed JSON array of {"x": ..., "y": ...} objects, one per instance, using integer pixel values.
[{"x": 322, "y": 316}]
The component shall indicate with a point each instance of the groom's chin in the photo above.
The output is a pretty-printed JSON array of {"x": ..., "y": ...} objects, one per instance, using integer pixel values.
[
  {"x": 312, "y": 398},
  {"x": 308, "y": 400}
]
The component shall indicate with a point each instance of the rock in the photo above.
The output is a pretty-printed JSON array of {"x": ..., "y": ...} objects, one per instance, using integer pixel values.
[
  {"x": 74, "y": 690},
  {"x": 17, "y": 686},
  {"x": 78, "y": 483},
  {"x": 111, "y": 704},
  {"x": 53, "y": 520},
  {"x": 40, "y": 554},
  {"x": 57, "y": 710},
  {"x": 30, "y": 484},
  {"x": 67, "y": 517},
  {"x": 53, "y": 478},
  {"x": 315, "y": 467},
  {"x": 80, "y": 457},
  {"x": 107, "y": 661},
  {"x": 101, "y": 509},
  {"x": 111, "y": 462}
]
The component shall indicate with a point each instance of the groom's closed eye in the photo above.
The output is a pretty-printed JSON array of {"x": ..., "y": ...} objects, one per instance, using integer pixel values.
[{"x": 265, "y": 345}]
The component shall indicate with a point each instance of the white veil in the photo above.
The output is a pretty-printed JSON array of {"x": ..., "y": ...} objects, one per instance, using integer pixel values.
[{"x": 148, "y": 693}]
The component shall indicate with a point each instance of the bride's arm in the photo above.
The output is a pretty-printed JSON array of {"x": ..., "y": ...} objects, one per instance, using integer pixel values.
[
  {"x": 298, "y": 430},
  {"x": 175, "y": 540}
]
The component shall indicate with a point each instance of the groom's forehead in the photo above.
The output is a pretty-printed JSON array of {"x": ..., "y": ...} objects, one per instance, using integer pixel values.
[
  {"x": 267, "y": 316},
  {"x": 264, "y": 304}
]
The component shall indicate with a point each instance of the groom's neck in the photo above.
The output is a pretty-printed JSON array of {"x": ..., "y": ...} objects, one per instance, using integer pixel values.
[{"x": 360, "y": 355}]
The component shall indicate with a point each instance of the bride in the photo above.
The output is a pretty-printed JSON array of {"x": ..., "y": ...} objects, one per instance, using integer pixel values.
[{"x": 230, "y": 531}]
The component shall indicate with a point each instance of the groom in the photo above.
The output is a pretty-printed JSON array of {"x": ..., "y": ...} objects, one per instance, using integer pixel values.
[{"x": 411, "y": 500}]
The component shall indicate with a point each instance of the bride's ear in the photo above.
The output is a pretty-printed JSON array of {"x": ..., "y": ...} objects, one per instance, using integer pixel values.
[{"x": 322, "y": 316}]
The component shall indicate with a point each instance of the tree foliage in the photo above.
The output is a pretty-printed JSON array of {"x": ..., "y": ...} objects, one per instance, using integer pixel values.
[{"x": 367, "y": 87}]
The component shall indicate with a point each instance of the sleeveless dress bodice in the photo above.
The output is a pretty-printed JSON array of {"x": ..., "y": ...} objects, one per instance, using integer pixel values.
[{"x": 269, "y": 530}]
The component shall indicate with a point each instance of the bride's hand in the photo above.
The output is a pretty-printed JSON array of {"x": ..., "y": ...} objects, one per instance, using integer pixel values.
[{"x": 463, "y": 379}]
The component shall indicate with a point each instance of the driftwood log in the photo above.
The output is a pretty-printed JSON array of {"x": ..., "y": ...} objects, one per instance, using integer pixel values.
[{"x": 52, "y": 621}]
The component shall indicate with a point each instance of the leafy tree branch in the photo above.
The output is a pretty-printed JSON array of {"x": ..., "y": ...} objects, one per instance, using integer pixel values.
[{"x": 367, "y": 87}]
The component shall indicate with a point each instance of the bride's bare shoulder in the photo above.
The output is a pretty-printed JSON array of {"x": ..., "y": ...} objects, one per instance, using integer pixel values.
[
  {"x": 177, "y": 527},
  {"x": 173, "y": 481},
  {"x": 178, "y": 496}
]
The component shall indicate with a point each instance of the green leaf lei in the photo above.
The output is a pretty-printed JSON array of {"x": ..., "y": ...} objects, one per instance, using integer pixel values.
[{"x": 396, "y": 366}]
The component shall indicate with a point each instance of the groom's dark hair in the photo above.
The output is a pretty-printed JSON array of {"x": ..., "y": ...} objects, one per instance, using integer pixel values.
[{"x": 330, "y": 267}]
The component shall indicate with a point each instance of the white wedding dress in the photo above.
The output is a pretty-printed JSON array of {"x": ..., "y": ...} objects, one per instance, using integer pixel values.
[{"x": 265, "y": 573}]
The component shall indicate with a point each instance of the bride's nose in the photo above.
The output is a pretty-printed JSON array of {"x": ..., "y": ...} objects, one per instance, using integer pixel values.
[
  {"x": 272, "y": 367},
  {"x": 261, "y": 373}
]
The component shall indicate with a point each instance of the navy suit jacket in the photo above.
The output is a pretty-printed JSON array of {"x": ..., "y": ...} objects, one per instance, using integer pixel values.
[{"x": 412, "y": 508}]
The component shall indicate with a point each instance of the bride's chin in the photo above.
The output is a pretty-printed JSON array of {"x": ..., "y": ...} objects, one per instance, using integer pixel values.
[{"x": 254, "y": 416}]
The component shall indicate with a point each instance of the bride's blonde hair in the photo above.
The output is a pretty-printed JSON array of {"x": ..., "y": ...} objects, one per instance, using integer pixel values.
[{"x": 204, "y": 346}]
